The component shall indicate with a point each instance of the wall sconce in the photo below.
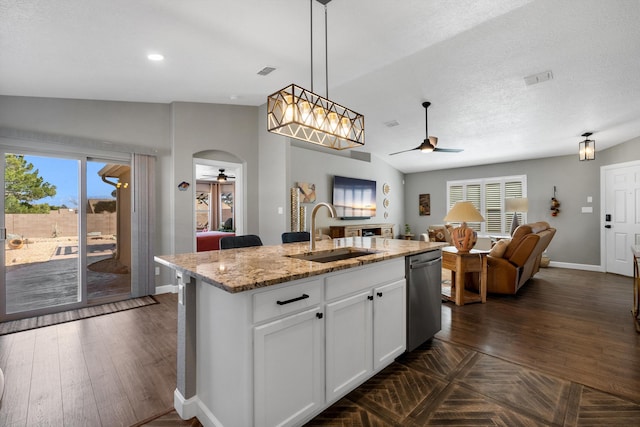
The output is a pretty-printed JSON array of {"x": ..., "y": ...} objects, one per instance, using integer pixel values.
[{"x": 587, "y": 148}]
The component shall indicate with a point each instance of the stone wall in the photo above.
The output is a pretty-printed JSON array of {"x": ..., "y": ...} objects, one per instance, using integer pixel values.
[{"x": 60, "y": 223}]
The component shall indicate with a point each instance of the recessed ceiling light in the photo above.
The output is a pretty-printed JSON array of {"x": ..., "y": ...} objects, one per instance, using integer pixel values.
[{"x": 155, "y": 57}]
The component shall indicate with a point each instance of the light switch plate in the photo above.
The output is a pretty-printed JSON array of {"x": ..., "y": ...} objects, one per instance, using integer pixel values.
[{"x": 587, "y": 209}]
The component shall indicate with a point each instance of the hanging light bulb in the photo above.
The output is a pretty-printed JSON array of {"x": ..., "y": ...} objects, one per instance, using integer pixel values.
[{"x": 587, "y": 148}]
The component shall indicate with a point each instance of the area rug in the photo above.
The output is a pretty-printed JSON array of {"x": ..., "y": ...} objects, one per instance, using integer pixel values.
[{"x": 71, "y": 315}]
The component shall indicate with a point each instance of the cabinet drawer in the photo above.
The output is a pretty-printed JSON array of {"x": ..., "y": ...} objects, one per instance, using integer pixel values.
[
  {"x": 372, "y": 275},
  {"x": 351, "y": 233},
  {"x": 285, "y": 300}
]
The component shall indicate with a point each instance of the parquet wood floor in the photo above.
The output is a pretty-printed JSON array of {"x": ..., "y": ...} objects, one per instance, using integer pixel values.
[{"x": 563, "y": 352}]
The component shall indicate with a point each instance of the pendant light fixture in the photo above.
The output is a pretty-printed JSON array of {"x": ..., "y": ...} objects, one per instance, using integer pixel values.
[
  {"x": 587, "y": 148},
  {"x": 302, "y": 114}
]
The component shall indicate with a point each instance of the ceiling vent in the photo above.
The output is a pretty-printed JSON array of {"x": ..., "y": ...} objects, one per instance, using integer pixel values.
[
  {"x": 538, "y": 78},
  {"x": 392, "y": 123},
  {"x": 266, "y": 70}
]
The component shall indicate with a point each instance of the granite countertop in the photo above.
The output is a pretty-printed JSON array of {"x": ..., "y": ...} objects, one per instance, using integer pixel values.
[{"x": 239, "y": 270}]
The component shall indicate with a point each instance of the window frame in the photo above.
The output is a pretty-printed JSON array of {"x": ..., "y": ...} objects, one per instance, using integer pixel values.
[{"x": 476, "y": 189}]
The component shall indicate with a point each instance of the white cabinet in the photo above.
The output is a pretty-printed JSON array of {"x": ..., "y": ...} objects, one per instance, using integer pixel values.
[
  {"x": 348, "y": 343},
  {"x": 365, "y": 331},
  {"x": 289, "y": 367},
  {"x": 278, "y": 356},
  {"x": 389, "y": 323}
]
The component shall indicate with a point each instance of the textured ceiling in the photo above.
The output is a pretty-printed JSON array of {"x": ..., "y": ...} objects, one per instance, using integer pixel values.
[{"x": 468, "y": 57}]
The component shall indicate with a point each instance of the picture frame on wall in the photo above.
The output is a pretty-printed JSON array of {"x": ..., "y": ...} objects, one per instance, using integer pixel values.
[{"x": 424, "y": 204}]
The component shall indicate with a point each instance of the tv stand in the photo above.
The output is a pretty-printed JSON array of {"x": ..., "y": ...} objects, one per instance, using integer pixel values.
[{"x": 361, "y": 230}]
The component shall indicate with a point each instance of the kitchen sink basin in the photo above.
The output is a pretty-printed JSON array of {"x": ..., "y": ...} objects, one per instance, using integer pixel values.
[{"x": 333, "y": 255}]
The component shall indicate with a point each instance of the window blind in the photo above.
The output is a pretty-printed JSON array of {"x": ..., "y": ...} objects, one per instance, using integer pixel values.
[{"x": 487, "y": 195}]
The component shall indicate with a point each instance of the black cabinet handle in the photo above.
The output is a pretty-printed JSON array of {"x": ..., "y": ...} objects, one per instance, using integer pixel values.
[
  {"x": 380, "y": 294},
  {"x": 304, "y": 296},
  {"x": 319, "y": 315},
  {"x": 607, "y": 226},
  {"x": 370, "y": 297}
]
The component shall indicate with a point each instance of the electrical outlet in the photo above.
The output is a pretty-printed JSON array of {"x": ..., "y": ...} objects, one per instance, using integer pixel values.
[{"x": 157, "y": 271}]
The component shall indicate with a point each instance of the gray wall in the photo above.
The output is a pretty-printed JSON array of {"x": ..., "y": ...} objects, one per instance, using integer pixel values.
[
  {"x": 179, "y": 130},
  {"x": 273, "y": 165},
  {"x": 274, "y": 177},
  {"x": 577, "y": 240},
  {"x": 203, "y": 127},
  {"x": 308, "y": 165}
]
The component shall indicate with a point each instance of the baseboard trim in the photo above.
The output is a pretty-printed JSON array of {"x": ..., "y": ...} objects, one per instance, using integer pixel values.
[
  {"x": 166, "y": 289},
  {"x": 573, "y": 266},
  {"x": 188, "y": 408}
]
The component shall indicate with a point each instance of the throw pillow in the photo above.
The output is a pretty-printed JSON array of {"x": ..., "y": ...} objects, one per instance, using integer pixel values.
[
  {"x": 437, "y": 235},
  {"x": 499, "y": 248}
]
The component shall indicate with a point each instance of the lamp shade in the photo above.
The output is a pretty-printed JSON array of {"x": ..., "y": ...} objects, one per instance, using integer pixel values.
[
  {"x": 464, "y": 211},
  {"x": 516, "y": 204}
]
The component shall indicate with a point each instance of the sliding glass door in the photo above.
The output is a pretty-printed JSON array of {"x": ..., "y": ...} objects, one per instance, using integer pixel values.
[
  {"x": 68, "y": 233},
  {"x": 41, "y": 221}
]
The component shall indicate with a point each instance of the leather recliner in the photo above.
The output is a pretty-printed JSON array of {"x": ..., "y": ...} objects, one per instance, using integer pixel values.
[{"x": 521, "y": 259}]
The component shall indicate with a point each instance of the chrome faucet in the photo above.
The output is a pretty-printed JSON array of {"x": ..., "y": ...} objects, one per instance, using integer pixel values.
[{"x": 332, "y": 212}]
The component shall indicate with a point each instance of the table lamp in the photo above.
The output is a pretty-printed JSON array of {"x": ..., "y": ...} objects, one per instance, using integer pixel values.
[
  {"x": 463, "y": 237},
  {"x": 515, "y": 205}
]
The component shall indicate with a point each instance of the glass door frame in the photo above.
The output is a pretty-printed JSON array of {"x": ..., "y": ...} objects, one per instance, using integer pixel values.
[{"x": 26, "y": 149}]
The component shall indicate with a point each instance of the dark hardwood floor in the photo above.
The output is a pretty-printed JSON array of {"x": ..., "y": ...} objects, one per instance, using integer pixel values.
[
  {"x": 563, "y": 352},
  {"x": 111, "y": 370}
]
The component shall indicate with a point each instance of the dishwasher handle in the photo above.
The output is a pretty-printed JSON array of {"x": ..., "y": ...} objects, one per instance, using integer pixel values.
[{"x": 425, "y": 264}]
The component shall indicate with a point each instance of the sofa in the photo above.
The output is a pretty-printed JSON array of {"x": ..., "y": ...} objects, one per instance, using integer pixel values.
[
  {"x": 210, "y": 240},
  {"x": 442, "y": 233},
  {"x": 512, "y": 262}
]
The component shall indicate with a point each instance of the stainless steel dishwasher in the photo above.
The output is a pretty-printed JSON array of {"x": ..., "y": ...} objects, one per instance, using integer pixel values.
[{"x": 424, "y": 300}]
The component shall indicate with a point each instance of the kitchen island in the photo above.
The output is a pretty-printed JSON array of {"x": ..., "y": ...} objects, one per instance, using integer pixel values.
[{"x": 273, "y": 335}]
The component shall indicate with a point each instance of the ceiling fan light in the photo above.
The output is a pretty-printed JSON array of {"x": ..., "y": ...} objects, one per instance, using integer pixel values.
[{"x": 426, "y": 146}]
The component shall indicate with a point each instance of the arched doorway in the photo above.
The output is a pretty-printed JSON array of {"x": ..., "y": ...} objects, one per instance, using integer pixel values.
[{"x": 219, "y": 194}]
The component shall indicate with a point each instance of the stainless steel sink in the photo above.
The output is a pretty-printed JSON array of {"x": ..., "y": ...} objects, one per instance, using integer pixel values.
[{"x": 333, "y": 254}]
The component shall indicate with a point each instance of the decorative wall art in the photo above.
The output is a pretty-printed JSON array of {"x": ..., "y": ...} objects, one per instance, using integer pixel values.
[
  {"x": 555, "y": 204},
  {"x": 386, "y": 189},
  {"x": 307, "y": 192},
  {"x": 295, "y": 209},
  {"x": 424, "y": 202}
]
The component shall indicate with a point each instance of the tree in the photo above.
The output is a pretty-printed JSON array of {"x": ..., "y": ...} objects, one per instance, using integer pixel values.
[{"x": 23, "y": 185}]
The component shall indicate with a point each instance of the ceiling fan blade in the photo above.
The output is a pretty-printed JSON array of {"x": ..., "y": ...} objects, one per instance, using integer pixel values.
[
  {"x": 404, "y": 151},
  {"x": 449, "y": 150}
]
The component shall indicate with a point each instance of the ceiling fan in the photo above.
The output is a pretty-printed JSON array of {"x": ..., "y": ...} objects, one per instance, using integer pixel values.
[
  {"x": 221, "y": 177},
  {"x": 430, "y": 142}
]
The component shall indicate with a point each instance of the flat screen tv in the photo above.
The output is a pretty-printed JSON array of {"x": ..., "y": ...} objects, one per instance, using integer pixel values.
[{"x": 354, "y": 198}]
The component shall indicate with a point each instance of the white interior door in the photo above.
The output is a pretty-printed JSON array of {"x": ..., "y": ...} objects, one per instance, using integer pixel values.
[{"x": 621, "y": 216}]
